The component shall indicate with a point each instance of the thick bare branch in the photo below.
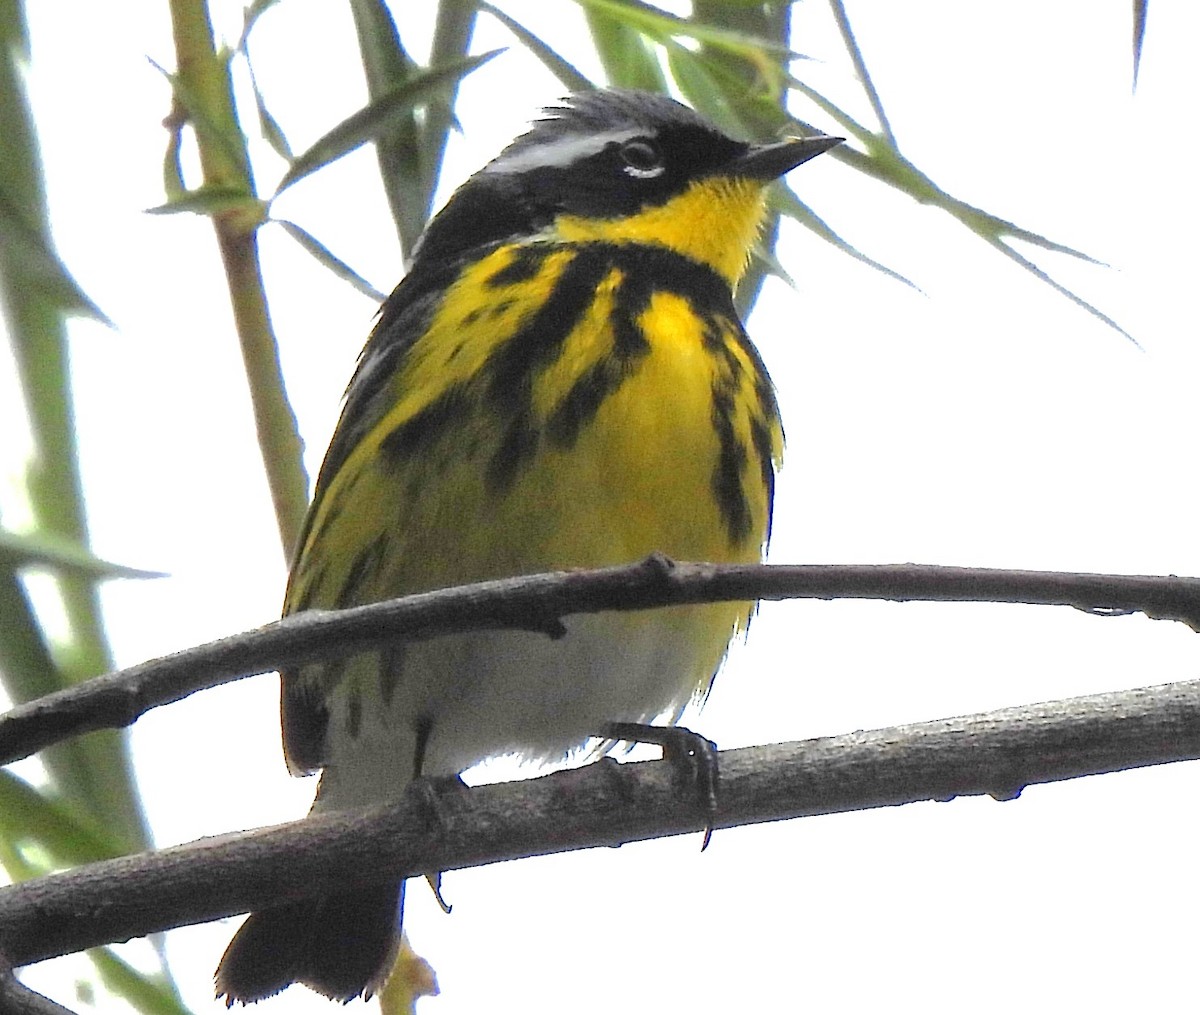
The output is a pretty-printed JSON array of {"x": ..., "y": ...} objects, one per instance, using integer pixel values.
[
  {"x": 17, "y": 999},
  {"x": 539, "y": 602},
  {"x": 995, "y": 753}
]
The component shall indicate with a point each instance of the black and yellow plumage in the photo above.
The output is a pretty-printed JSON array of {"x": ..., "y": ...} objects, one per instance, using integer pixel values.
[{"x": 561, "y": 380}]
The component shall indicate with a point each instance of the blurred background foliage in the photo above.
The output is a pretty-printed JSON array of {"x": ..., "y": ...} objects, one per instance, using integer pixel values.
[{"x": 734, "y": 60}]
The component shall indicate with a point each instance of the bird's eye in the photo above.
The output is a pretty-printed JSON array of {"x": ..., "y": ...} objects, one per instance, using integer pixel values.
[{"x": 642, "y": 160}]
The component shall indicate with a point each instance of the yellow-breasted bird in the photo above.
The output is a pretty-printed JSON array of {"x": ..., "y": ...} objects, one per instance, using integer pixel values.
[{"x": 560, "y": 381}]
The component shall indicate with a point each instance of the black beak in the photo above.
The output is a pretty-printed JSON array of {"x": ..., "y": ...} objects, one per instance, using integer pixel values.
[{"x": 769, "y": 161}]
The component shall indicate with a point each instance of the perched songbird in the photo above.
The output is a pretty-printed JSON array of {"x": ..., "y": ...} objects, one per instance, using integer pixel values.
[{"x": 560, "y": 381}]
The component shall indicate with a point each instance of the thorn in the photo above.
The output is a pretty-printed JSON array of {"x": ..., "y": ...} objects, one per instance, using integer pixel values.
[{"x": 435, "y": 884}]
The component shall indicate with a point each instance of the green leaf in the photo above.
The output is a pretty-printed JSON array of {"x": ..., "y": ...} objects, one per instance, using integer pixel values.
[
  {"x": 860, "y": 69},
  {"x": 44, "y": 549},
  {"x": 271, "y": 131},
  {"x": 452, "y": 31},
  {"x": 629, "y": 61},
  {"x": 172, "y": 168},
  {"x": 94, "y": 773},
  {"x": 1140, "y": 8},
  {"x": 227, "y": 139},
  {"x": 29, "y": 672},
  {"x": 14, "y": 35},
  {"x": 884, "y": 162},
  {"x": 1012, "y": 254},
  {"x": 375, "y": 117},
  {"x": 661, "y": 26},
  {"x": 150, "y": 995},
  {"x": 843, "y": 119},
  {"x": 567, "y": 73},
  {"x": 736, "y": 6},
  {"x": 385, "y": 60},
  {"x": 747, "y": 91},
  {"x": 331, "y": 261},
  {"x": 785, "y": 199},
  {"x": 398, "y": 149},
  {"x": 40, "y": 267},
  {"x": 250, "y": 18},
  {"x": 267, "y": 124},
  {"x": 770, "y": 264},
  {"x": 214, "y": 200},
  {"x": 99, "y": 812},
  {"x": 698, "y": 80},
  {"x": 65, "y": 834},
  {"x": 28, "y": 668}
]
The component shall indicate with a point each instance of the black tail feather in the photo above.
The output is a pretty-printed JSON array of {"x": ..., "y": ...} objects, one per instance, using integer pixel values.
[{"x": 342, "y": 946}]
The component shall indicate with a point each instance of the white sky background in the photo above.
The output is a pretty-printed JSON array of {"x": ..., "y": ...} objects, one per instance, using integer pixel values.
[{"x": 986, "y": 422}]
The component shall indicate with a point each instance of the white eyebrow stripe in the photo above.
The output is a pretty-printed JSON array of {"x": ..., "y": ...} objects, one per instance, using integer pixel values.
[{"x": 560, "y": 152}]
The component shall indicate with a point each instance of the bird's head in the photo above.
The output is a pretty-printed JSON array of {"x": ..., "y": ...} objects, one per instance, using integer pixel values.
[{"x": 622, "y": 166}]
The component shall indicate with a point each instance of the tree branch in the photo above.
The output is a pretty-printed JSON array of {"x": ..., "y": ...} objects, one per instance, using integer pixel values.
[
  {"x": 539, "y": 602},
  {"x": 17, "y": 999},
  {"x": 605, "y": 804}
]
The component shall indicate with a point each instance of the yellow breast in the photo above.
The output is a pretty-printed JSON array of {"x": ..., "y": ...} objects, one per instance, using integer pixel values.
[{"x": 628, "y": 417}]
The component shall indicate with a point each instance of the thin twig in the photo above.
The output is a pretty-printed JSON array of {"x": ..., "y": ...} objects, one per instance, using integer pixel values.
[
  {"x": 605, "y": 804},
  {"x": 204, "y": 76},
  {"x": 539, "y": 603}
]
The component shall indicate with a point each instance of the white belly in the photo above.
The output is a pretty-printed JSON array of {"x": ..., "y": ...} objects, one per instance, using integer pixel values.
[{"x": 494, "y": 693}]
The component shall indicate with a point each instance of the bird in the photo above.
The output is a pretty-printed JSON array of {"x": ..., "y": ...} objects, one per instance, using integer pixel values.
[{"x": 560, "y": 380}]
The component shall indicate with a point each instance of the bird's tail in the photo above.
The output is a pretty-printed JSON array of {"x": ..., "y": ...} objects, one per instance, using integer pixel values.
[{"x": 342, "y": 946}]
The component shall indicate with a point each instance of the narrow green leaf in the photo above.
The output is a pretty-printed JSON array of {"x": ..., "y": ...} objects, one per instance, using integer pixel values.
[
  {"x": 213, "y": 200},
  {"x": 55, "y": 553},
  {"x": 64, "y": 830},
  {"x": 385, "y": 60},
  {"x": 250, "y": 18},
  {"x": 1011, "y": 253},
  {"x": 884, "y": 162},
  {"x": 988, "y": 226},
  {"x": 567, "y": 73},
  {"x": 889, "y": 166},
  {"x": 40, "y": 266},
  {"x": 764, "y": 254},
  {"x": 267, "y": 124},
  {"x": 330, "y": 260},
  {"x": 698, "y": 81},
  {"x": 398, "y": 149},
  {"x": 271, "y": 131},
  {"x": 17, "y": 865},
  {"x": 749, "y": 89},
  {"x": 752, "y": 6},
  {"x": 843, "y": 119},
  {"x": 364, "y": 125},
  {"x": 860, "y": 68},
  {"x": 452, "y": 31},
  {"x": 1140, "y": 7},
  {"x": 28, "y": 669},
  {"x": 760, "y": 75},
  {"x": 68, "y": 836},
  {"x": 629, "y": 60},
  {"x": 149, "y": 995},
  {"x": 662, "y": 26},
  {"x": 785, "y": 199},
  {"x": 172, "y": 168},
  {"x": 94, "y": 773},
  {"x": 13, "y": 32},
  {"x": 192, "y": 110}
]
